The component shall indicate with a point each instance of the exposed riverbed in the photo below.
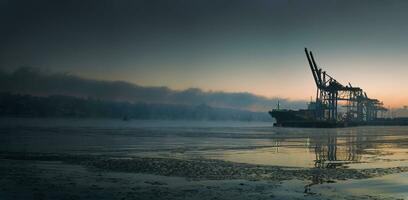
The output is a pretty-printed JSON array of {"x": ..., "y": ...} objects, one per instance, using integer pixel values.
[{"x": 111, "y": 159}]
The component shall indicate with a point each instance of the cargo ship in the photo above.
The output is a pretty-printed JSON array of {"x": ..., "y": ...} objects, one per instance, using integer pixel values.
[
  {"x": 304, "y": 118},
  {"x": 356, "y": 107}
]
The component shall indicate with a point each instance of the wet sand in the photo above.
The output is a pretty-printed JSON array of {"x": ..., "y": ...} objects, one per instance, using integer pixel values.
[
  {"x": 47, "y": 177},
  {"x": 201, "y": 162}
]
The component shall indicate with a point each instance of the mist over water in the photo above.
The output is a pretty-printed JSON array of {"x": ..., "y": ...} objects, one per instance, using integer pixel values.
[
  {"x": 159, "y": 99},
  {"x": 27, "y": 80}
]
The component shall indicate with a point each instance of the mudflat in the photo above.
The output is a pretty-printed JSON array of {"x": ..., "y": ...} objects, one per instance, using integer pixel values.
[{"x": 109, "y": 159}]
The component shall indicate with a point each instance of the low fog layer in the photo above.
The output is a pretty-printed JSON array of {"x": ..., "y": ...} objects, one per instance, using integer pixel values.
[
  {"x": 57, "y": 106},
  {"x": 27, "y": 80}
]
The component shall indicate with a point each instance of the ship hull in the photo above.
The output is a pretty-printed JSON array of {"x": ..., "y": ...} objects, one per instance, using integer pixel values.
[
  {"x": 305, "y": 119},
  {"x": 312, "y": 124}
]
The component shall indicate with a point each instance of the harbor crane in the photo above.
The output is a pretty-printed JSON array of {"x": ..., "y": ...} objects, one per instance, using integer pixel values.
[{"x": 329, "y": 92}]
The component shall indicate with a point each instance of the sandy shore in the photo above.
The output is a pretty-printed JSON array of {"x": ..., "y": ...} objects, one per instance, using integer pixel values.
[
  {"x": 65, "y": 176},
  {"x": 116, "y": 160}
]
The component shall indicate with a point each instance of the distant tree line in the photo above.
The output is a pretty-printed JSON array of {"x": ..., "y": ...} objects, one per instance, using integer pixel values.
[
  {"x": 28, "y": 80},
  {"x": 18, "y": 105}
]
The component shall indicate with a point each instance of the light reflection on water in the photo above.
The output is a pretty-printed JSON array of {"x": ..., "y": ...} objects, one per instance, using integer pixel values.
[
  {"x": 254, "y": 143},
  {"x": 394, "y": 185},
  {"x": 244, "y": 142},
  {"x": 332, "y": 149}
]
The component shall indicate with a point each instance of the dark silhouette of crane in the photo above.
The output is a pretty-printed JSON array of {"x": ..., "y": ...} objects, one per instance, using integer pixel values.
[{"x": 329, "y": 92}]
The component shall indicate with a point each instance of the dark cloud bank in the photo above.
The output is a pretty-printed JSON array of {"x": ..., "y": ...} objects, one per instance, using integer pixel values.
[{"x": 35, "y": 82}]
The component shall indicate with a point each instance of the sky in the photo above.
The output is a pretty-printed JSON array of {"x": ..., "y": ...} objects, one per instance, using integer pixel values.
[{"x": 252, "y": 46}]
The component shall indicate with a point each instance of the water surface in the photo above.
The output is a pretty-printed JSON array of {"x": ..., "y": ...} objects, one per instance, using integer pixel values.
[{"x": 244, "y": 142}]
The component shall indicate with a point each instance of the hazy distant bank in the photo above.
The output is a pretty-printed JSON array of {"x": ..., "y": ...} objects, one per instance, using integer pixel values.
[
  {"x": 30, "y": 92},
  {"x": 58, "y": 106},
  {"x": 27, "y": 80}
]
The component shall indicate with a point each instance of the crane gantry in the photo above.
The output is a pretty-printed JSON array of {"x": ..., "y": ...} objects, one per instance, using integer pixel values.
[{"x": 329, "y": 92}]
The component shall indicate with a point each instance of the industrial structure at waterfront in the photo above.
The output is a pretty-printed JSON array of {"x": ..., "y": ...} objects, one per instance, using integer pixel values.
[
  {"x": 330, "y": 92},
  {"x": 336, "y": 105}
]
